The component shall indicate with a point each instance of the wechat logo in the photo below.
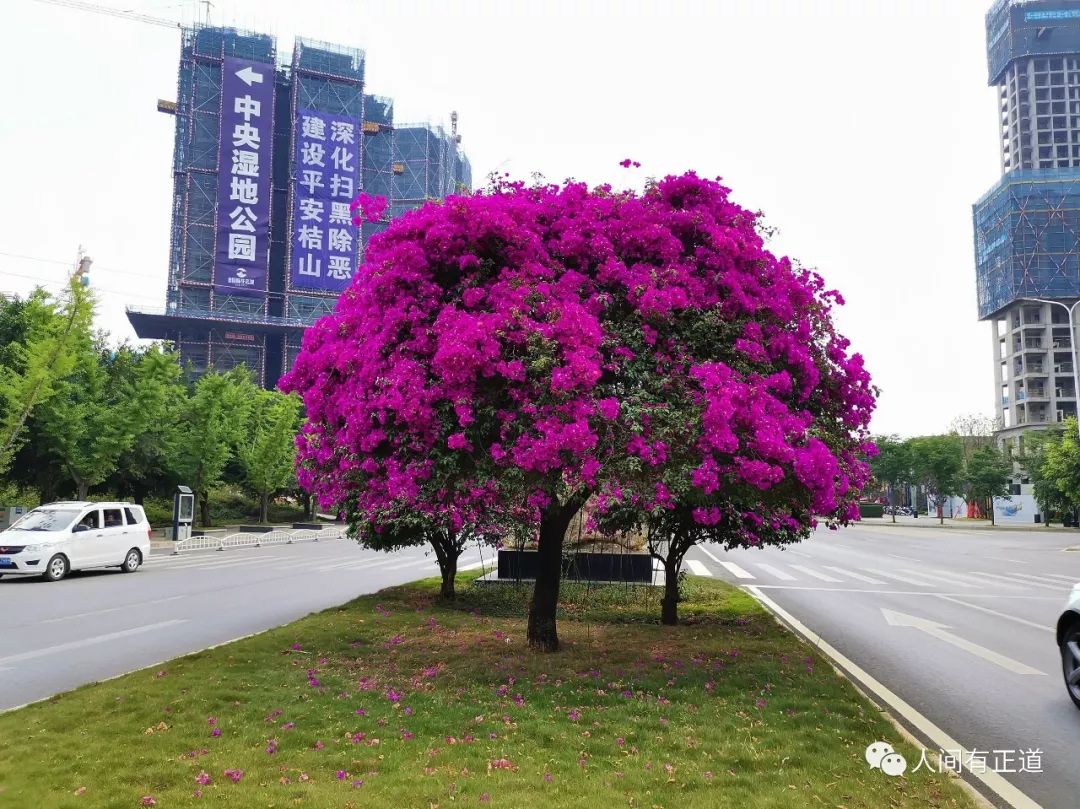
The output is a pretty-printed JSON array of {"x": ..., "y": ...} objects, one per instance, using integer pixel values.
[{"x": 881, "y": 756}]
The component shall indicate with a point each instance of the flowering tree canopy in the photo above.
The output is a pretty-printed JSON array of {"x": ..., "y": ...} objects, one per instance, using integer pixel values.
[{"x": 523, "y": 349}]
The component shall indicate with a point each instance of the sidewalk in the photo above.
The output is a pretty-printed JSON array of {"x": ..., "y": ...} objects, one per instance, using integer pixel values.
[{"x": 961, "y": 524}]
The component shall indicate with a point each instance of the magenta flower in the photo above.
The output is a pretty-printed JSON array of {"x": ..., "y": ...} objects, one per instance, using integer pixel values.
[
  {"x": 215, "y": 732},
  {"x": 147, "y": 800},
  {"x": 393, "y": 696},
  {"x": 574, "y": 715},
  {"x": 342, "y": 775},
  {"x": 296, "y": 647},
  {"x": 203, "y": 778},
  {"x": 319, "y": 745},
  {"x": 234, "y": 775}
]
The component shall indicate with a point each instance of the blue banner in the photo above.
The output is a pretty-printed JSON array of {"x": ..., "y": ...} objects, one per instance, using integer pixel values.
[
  {"x": 244, "y": 174},
  {"x": 324, "y": 246}
]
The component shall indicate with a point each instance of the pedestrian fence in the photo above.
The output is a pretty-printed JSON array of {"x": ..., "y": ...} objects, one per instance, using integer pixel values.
[{"x": 246, "y": 539}]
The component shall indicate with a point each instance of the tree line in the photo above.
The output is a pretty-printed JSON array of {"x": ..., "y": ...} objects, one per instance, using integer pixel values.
[
  {"x": 81, "y": 417},
  {"x": 968, "y": 464}
]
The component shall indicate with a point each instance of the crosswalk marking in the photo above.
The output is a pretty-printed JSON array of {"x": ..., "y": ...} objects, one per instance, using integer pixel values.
[
  {"x": 1073, "y": 579},
  {"x": 775, "y": 571},
  {"x": 737, "y": 571},
  {"x": 982, "y": 581},
  {"x": 999, "y": 579},
  {"x": 810, "y": 572},
  {"x": 852, "y": 574},
  {"x": 905, "y": 579},
  {"x": 698, "y": 568},
  {"x": 948, "y": 579},
  {"x": 1037, "y": 579}
]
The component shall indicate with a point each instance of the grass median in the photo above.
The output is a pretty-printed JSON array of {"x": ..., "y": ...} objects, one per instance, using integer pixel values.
[{"x": 401, "y": 700}]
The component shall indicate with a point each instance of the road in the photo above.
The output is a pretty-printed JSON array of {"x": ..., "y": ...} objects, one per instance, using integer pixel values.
[
  {"x": 98, "y": 624},
  {"x": 958, "y": 623}
]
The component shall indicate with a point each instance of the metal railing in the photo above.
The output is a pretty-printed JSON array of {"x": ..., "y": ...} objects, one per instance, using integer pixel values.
[{"x": 246, "y": 539}]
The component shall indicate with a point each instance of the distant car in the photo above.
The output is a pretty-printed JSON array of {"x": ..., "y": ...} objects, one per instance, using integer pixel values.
[
  {"x": 1068, "y": 638},
  {"x": 54, "y": 539}
]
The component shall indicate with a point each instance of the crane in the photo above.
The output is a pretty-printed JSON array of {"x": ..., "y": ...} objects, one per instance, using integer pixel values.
[{"x": 124, "y": 14}]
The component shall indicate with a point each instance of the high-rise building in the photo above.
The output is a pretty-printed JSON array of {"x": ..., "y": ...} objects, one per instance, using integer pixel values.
[
  {"x": 1027, "y": 227},
  {"x": 269, "y": 152}
]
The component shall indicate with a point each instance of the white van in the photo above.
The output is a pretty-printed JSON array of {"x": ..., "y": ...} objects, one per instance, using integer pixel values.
[{"x": 54, "y": 539}]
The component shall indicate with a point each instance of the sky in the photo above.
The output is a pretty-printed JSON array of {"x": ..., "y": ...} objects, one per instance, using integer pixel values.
[{"x": 863, "y": 129}]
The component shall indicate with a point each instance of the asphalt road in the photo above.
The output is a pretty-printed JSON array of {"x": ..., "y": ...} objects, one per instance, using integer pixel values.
[
  {"x": 958, "y": 623},
  {"x": 98, "y": 624}
]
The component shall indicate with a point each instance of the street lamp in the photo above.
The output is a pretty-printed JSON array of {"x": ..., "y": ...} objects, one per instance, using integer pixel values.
[{"x": 1072, "y": 344}]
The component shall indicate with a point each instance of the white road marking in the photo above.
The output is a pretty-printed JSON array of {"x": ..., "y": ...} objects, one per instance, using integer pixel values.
[
  {"x": 698, "y": 568},
  {"x": 1018, "y": 582},
  {"x": 489, "y": 563},
  {"x": 938, "y": 737},
  {"x": 737, "y": 571},
  {"x": 1074, "y": 579},
  {"x": 1005, "y": 615},
  {"x": 78, "y": 644},
  {"x": 110, "y": 609},
  {"x": 945, "y": 577},
  {"x": 939, "y": 631},
  {"x": 775, "y": 571},
  {"x": 905, "y": 558},
  {"x": 820, "y": 576},
  {"x": 800, "y": 587},
  {"x": 366, "y": 563},
  {"x": 1039, "y": 579},
  {"x": 904, "y": 579},
  {"x": 857, "y": 576}
]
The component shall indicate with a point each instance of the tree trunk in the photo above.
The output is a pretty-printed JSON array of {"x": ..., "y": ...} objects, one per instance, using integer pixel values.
[
  {"x": 448, "y": 571},
  {"x": 447, "y": 552},
  {"x": 542, "y": 632},
  {"x": 204, "y": 509},
  {"x": 264, "y": 506},
  {"x": 669, "y": 604},
  {"x": 84, "y": 489},
  {"x": 306, "y": 499}
]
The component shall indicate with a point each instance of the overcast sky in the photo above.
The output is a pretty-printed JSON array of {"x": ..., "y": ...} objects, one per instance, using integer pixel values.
[{"x": 864, "y": 129}]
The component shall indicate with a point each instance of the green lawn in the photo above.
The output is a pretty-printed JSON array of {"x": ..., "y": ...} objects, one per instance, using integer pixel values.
[{"x": 398, "y": 700}]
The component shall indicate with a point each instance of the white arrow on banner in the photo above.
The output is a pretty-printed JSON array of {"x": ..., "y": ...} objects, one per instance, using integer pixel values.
[
  {"x": 937, "y": 630},
  {"x": 249, "y": 75}
]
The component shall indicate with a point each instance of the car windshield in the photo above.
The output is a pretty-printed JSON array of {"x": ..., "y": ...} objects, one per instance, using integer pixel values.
[{"x": 53, "y": 519}]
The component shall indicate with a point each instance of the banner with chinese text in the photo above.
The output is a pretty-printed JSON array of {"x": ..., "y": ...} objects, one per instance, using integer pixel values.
[
  {"x": 244, "y": 174},
  {"x": 324, "y": 244}
]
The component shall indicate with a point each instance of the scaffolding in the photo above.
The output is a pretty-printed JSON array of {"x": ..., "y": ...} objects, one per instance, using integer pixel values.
[
  {"x": 1036, "y": 28},
  {"x": 1027, "y": 238},
  {"x": 204, "y": 322},
  {"x": 428, "y": 165}
]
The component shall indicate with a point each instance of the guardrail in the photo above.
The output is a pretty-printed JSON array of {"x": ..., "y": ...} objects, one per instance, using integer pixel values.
[{"x": 250, "y": 540}]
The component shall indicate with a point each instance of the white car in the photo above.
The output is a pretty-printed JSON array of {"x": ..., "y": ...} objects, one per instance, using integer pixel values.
[
  {"x": 55, "y": 539},
  {"x": 1068, "y": 638}
]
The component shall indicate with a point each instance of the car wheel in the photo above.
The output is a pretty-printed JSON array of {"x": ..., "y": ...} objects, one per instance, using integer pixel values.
[
  {"x": 131, "y": 561},
  {"x": 57, "y": 568},
  {"x": 1070, "y": 661}
]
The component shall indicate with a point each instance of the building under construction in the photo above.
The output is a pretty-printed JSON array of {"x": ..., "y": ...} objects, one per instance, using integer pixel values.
[
  {"x": 261, "y": 244},
  {"x": 1027, "y": 227}
]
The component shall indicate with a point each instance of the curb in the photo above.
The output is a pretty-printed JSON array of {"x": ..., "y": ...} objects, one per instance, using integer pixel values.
[{"x": 911, "y": 724}]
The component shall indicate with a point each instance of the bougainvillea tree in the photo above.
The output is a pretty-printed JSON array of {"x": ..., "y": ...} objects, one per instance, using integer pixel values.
[{"x": 522, "y": 350}]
